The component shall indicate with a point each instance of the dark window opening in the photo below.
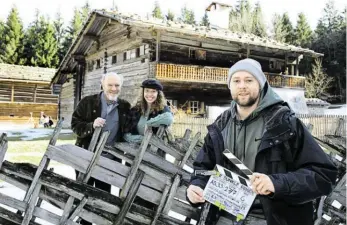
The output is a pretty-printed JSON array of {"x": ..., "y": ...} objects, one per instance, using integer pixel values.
[
  {"x": 114, "y": 59},
  {"x": 137, "y": 52},
  {"x": 192, "y": 53}
]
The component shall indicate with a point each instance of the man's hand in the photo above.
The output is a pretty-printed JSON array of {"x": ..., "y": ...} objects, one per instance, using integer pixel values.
[
  {"x": 262, "y": 184},
  {"x": 195, "y": 194},
  {"x": 99, "y": 122}
]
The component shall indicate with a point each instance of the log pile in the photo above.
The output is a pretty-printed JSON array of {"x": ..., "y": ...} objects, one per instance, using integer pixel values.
[{"x": 146, "y": 176}]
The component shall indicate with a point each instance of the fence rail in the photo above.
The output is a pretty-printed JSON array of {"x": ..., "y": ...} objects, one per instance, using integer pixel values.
[{"x": 322, "y": 125}]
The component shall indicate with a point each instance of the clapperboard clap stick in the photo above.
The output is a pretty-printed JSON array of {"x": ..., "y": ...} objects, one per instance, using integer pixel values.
[{"x": 227, "y": 190}]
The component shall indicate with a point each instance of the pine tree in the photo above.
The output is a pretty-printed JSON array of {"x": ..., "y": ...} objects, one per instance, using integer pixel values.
[
  {"x": 85, "y": 10},
  {"x": 41, "y": 44},
  {"x": 303, "y": 32},
  {"x": 12, "y": 49},
  {"x": 259, "y": 27},
  {"x": 330, "y": 39},
  {"x": 170, "y": 15},
  {"x": 157, "y": 11},
  {"x": 72, "y": 30},
  {"x": 187, "y": 16},
  {"x": 2, "y": 28},
  {"x": 318, "y": 82},
  {"x": 278, "y": 33},
  {"x": 204, "y": 21},
  {"x": 288, "y": 29},
  {"x": 60, "y": 35},
  {"x": 30, "y": 39},
  {"x": 241, "y": 18}
]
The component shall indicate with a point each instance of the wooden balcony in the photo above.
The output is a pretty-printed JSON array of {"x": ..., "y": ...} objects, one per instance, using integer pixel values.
[{"x": 215, "y": 75}]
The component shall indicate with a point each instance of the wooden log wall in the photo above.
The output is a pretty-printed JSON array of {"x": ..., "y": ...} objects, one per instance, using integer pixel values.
[
  {"x": 27, "y": 92},
  {"x": 9, "y": 110},
  {"x": 126, "y": 55},
  {"x": 67, "y": 102},
  {"x": 181, "y": 54}
]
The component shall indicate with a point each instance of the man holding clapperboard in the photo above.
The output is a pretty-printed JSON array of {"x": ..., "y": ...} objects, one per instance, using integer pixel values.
[{"x": 258, "y": 133}]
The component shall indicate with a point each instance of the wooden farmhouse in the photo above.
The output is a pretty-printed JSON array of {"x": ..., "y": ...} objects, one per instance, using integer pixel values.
[
  {"x": 26, "y": 91},
  {"x": 192, "y": 62}
]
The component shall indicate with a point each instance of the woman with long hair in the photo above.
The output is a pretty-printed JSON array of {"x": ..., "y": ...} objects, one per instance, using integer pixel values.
[{"x": 150, "y": 111}]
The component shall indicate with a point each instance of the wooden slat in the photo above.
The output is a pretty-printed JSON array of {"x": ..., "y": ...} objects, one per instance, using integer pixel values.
[
  {"x": 38, "y": 212},
  {"x": 130, "y": 197},
  {"x": 12, "y": 93},
  {"x": 153, "y": 159},
  {"x": 166, "y": 148},
  {"x": 79, "y": 159},
  {"x": 96, "y": 156},
  {"x": 66, "y": 211},
  {"x": 79, "y": 208},
  {"x": 13, "y": 217},
  {"x": 3, "y": 147},
  {"x": 136, "y": 163},
  {"x": 31, "y": 205},
  {"x": 36, "y": 178},
  {"x": 204, "y": 213},
  {"x": 105, "y": 174},
  {"x": 154, "y": 173},
  {"x": 161, "y": 204},
  {"x": 172, "y": 194}
]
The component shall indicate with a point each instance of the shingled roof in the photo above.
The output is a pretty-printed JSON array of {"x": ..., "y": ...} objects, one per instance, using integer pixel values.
[
  {"x": 99, "y": 18},
  {"x": 26, "y": 73},
  {"x": 202, "y": 31}
]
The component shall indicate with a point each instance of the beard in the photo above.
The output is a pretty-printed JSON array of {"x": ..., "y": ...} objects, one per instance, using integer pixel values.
[
  {"x": 112, "y": 97},
  {"x": 246, "y": 103}
]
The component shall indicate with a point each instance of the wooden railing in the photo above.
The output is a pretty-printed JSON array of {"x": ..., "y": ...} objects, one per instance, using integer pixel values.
[{"x": 192, "y": 73}]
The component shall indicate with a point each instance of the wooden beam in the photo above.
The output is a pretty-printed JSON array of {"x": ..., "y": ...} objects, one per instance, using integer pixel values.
[
  {"x": 157, "y": 49},
  {"x": 35, "y": 92},
  {"x": 31, "y": 205},
  {"x": 297, "y": 65},
  {"x": 3, "y": 147},
  {"x": 91, "y": 37},
  {"x": 286, "y": 70},
  {"x": 204, "y": 213},
  {"x": 248, "y": 51},
  {"x": 12, "y": 93},
  {"x": 130, "y": 197},
  {"x": 161, "y": 204},
  {"x": 136, "y": 163}
]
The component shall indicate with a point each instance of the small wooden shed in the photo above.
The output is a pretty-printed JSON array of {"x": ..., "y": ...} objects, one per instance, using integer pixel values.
[{"x": 25, "y": 90}]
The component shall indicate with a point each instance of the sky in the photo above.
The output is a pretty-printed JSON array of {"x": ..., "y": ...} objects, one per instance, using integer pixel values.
[{"x": 311, "y": 8}]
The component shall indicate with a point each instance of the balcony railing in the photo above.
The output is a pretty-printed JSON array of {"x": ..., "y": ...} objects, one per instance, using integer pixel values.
[{"x": 200, "y": 74}]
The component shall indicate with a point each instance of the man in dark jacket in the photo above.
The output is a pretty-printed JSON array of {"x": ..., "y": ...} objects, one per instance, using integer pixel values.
[
  {"x": 104, "y": 110},
  {"x": 291, "y": 170}
]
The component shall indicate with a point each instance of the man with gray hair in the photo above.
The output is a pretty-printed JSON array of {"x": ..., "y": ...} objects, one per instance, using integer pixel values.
[
  {"x": 291, "y": 169},
  {"x": 105, "y": 110}
]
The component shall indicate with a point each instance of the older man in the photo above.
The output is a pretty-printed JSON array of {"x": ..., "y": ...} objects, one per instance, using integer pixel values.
[
  {"x": 290, "y": 168},
  {"x": 104, "y": 110}
]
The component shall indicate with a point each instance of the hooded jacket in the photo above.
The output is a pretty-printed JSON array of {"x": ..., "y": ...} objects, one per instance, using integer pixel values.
[{"x": 287, "y": 153}]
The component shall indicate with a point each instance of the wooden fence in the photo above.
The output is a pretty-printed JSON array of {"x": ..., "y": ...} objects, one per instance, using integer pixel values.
[
  {"x": 322, "y": 125},
  {"x": 151, "y": 186}
]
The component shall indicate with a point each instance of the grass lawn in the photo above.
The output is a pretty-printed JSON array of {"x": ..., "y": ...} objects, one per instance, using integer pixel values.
[{"x": 33, "y": 150}]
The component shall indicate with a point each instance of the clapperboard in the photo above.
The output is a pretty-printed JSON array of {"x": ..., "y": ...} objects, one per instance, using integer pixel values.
[{"x": 229, "y": 191}]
